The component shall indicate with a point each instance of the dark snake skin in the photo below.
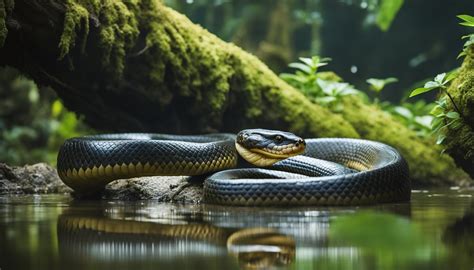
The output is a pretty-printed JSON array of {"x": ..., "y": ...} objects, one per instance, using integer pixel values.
[{"x": 377, "y": 174}]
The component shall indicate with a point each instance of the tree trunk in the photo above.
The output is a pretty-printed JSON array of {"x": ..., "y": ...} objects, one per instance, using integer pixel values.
[{"x": 140, "y": 66}]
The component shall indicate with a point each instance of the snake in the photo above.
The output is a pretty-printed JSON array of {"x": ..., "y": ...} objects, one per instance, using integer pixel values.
[
  {"x": 254, "y": 248},
  {"x": 255, "y": 167}
]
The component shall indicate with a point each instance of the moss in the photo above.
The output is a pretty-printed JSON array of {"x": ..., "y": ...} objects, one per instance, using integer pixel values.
[
  {"x": 219, "y": 76},
  {"x": 118, "y": 29},
  {"x": 460, "y": 140},
  {"x": 75, "y": 19},
  {"x": 6, "y": 7}
]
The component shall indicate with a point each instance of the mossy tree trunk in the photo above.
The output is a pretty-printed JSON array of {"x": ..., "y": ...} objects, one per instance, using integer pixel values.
[
  {"x": 140, "y": 66},
  {"x": 460, "y": 140}
]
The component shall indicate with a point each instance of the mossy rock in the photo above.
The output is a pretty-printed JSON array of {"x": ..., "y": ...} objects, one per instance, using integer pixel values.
[{"x": 459, "y": 141}]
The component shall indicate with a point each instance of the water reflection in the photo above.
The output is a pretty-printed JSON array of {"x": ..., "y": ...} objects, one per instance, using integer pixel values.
[{"x": 435, "y": 231}]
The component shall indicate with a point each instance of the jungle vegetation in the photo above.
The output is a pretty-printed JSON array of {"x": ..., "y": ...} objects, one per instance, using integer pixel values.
[{"x": 142, "y": 66}]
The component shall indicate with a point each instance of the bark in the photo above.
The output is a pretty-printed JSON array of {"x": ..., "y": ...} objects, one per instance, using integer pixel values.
[{"x": 140, "y": 66}]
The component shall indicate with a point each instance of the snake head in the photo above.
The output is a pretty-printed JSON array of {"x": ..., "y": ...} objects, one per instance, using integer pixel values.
[{"x": 264, "y": 147}]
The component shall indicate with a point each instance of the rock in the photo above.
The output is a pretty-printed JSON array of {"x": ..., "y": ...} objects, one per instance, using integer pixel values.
[
  {"x": 30, "y": 179},
  {"x": 181, "y": 189},
  {"x": 42, "y": 179}
]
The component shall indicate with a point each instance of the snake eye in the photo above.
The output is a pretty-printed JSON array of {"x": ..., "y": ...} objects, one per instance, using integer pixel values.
[{"x": 278, "y": 138}]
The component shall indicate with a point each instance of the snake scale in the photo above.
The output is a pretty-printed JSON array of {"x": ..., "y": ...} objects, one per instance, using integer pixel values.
[{"x": 329, "y": 171}]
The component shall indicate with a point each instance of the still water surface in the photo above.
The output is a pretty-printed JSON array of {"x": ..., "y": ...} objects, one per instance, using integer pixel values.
[{"x": 434, "y": 231}]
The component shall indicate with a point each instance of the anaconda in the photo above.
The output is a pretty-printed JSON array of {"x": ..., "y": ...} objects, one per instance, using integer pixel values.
[{"x": 329, "y": 171}]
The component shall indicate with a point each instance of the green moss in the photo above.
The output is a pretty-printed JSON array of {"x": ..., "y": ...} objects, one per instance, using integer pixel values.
[
  {"x": 460, "y": 140},
  {"x": 118, "y": 29},
  {"x": 6, "y": 7},
  {"x": 227, "y": 85},
  {"x": 75, "y": 19}
]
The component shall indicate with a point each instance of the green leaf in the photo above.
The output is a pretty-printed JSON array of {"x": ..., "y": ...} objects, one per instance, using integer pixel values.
[
  {"x": 378, "y": 84},
  {"x": 453, "y": 115},
  {"x": 406, "y": 113},
  {"x": 436, "y": 124},
  {"x": 56, "y": 108},
  {"x": 436, "y": 110},
  {"x": 468, "y": 20},
  {"x": 421, "y": 90},
  {"x": 439, "y": 78},
  {"x": 424, "y": 121},
  {"x": 432, "y": 84},
  {"x": 300, "y": 66},
  {"x": 440, "y": 138},
  {"x": 387, "y": 11},
  {"x": 307, "y": 61},
  {"x": 452, "y": 75},
  {"x": 463, "y": 53}
]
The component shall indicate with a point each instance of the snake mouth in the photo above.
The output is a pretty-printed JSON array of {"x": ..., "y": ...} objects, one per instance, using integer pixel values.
[{"x": 265, "y": 147}]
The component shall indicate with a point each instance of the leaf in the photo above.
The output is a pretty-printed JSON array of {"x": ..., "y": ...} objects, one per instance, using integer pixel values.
[
  {"x": 421, "y": 90},
  {"x": 452, "y": 75},
  {"x": 387, "y": 11},
  {"x": 439, "y": 78},
  {"x": 468, "y": 20},
  {"x": 437, "y": 110},
  {"x": 56, "y": 108},
  {"x": 402, "y": 111},
  {"x": 431, "y": 84},
  {"x": 436, "y": 124},
  {"x": 440, "y": 138},
  {"x": 463, "y": 53},
  {"x": 300, "y": 66},
  {"x": 453, "y": 115},
  {"x": 307, "y": 61},
  {"x": 424, "y": 121},
  {"x": 378, "y": 84}
]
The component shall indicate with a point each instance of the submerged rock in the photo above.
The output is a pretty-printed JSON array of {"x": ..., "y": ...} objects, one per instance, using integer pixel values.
[{"x": 30, "y": 179}]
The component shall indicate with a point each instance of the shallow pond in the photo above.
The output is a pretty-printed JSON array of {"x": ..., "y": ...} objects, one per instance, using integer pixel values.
[{"x": 434, "y": 231}]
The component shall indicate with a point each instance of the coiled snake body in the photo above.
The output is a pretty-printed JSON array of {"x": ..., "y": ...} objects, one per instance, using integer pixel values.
[{"x": 329, "y": 172}]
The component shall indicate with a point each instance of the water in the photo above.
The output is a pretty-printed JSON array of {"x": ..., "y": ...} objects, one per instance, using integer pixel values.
[{"x": 434, "y": 231}]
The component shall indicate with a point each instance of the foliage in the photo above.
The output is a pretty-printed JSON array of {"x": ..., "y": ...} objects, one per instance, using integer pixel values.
[
  {"x": 318, "y": 88},
  {"x": 416, "y": 116},
  {"x": 33, "y": 123},
  {"x": 439, "y": 82},
  {"x": 377, "y": 85},
  {"x": 443, "y": 116},
  {"x": 388, "y": 9},
  {"x": 468, "y": 21},
  {"x": 329, "y": 92}
]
